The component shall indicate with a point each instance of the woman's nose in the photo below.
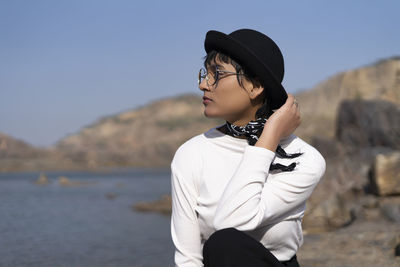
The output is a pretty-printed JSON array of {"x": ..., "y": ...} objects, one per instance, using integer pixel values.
[{"x": 203, "y": 85}]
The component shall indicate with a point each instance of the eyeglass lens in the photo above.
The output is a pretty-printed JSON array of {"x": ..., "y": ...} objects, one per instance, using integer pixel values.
[{"x": 211, "y": 77}]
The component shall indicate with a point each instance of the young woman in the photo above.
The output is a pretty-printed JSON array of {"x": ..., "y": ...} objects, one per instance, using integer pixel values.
[{"x": 239, "y": 189}]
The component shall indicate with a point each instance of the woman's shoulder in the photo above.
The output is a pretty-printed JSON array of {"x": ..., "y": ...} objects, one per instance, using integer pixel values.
[
  {"x": 190, "y": 150},
  {"x": 188, "y": 160},
  {"x": 311, "y": 157},
  {"x": 191, "y": 145}
]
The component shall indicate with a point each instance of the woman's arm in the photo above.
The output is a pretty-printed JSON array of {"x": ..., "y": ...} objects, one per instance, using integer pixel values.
[
  {"x": 250, "y": 200},
  {"x": 185, "y": 230}
]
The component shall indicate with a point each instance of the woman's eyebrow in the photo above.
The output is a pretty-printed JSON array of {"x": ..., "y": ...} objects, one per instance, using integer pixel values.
[
  {"x": 213, "y": 66},
  {"x": 219, "y": 66}
]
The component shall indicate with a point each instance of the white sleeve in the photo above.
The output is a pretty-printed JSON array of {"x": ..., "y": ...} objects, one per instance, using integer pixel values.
[
  {"x": 185, "y": 230},
  {"x": 250, "y": 200}
]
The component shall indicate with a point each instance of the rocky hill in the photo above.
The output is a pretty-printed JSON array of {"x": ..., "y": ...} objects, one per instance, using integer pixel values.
[
  {"x": 319, "y": 106},
  {"x": 148, "y": 136},
  {"x": 17, "y": 154}
]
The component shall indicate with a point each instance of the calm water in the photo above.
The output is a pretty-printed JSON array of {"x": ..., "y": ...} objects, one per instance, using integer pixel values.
[{"x": 54, "y": 225}]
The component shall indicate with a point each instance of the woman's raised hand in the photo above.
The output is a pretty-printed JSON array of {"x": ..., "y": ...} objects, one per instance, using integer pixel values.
[{"x": 281, "y": 124}]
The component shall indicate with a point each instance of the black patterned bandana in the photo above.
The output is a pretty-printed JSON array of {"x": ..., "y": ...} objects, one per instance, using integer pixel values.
[{"x": 253, "y": 129}]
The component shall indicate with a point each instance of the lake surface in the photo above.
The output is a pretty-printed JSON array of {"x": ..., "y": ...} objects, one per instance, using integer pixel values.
[{"x": 54, "y": 225}]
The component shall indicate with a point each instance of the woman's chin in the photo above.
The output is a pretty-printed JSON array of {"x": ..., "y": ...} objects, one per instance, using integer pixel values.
[{"x": 210, "y": 114}]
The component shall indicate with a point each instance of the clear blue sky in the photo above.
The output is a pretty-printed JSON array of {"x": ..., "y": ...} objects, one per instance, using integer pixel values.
[{"x": 64, "y": 64}]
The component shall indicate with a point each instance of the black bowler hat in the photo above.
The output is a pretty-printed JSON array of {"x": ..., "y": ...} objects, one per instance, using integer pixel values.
[{"x": 256, "y": 52}]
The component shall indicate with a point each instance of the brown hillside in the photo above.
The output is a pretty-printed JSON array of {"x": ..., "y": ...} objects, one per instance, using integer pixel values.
[
  {"x": 318, "y": 106},
  {"x": 150, "y": 134}
]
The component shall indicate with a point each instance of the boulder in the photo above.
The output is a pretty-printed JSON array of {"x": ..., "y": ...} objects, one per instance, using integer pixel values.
[
  {"x": 329, "y": 148},
  {"x": 42, "y": 180},
  {"x": 162, "y": 205},
  {"x": 64, "y": 181},
  {"x": 335, "y": 211},
  {"x": 361, "y": 123},
  {"x": 385, "y": 174}
]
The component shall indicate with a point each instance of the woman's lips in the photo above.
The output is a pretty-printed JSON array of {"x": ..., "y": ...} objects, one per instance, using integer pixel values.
[{"x": 206, "y": 100}]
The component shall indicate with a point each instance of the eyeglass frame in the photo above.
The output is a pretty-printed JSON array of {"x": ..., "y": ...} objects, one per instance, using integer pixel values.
[{"x": 217, "y": 78}]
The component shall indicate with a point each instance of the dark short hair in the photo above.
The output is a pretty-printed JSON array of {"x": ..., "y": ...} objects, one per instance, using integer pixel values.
[{"x": 210, "y": 60}]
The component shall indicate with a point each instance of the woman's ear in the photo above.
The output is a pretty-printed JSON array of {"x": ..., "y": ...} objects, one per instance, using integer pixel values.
[{"x": 256, "y": 89}]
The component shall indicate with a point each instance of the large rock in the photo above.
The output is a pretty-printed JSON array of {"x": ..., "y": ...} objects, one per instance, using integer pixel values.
[
  {"x": 328, "y": 147},
  {"x": 385, "y": 174},
  {"x": 330, "y": 214},
  {"x": 42, "y": 180},
  {"x": 162, "y": 205},
  {"x": 363, "y": 123}
]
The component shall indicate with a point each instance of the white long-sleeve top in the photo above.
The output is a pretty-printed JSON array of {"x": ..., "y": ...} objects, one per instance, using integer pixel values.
[{"x": 219, "y": 181}]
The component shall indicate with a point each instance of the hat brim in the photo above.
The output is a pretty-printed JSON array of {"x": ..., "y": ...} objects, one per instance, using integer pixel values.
[{"x": 220, "y": 41}]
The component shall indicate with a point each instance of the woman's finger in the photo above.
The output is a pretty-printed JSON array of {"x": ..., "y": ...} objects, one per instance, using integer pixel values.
[{"x": 289, "y": 100}]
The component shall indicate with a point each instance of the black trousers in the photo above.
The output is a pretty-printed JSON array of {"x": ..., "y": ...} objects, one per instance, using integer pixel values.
[{"x": 230, "y": 247}]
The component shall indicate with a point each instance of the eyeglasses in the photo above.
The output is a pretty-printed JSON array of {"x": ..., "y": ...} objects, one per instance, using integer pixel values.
[{"x": 213, "y": 77}]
